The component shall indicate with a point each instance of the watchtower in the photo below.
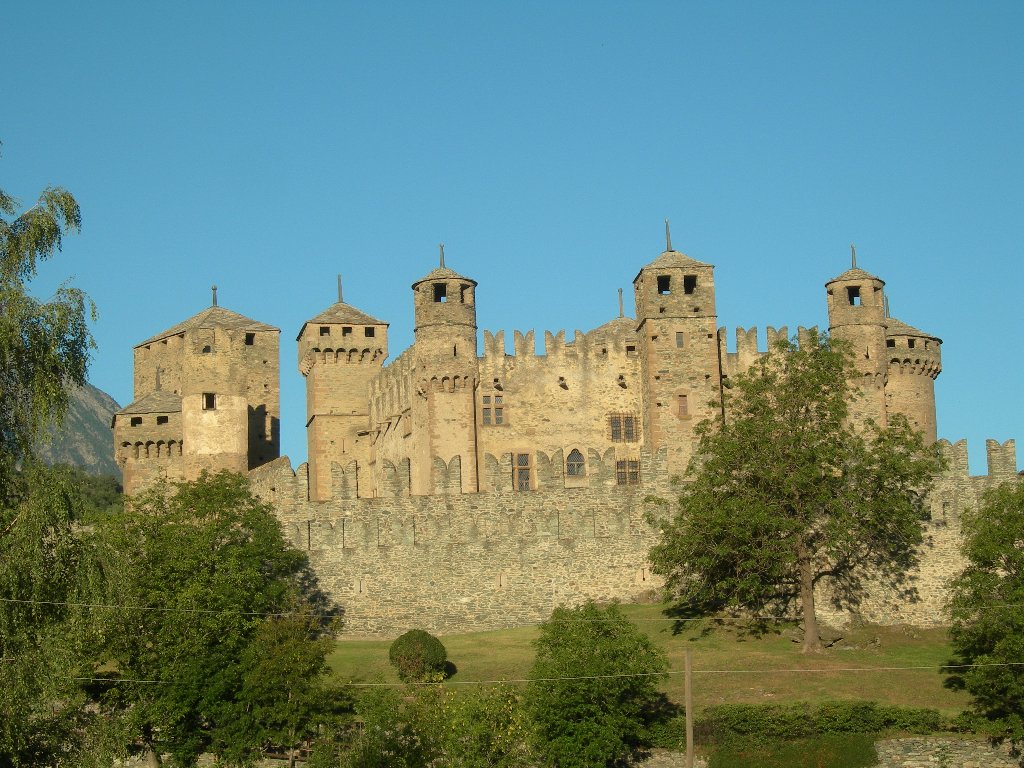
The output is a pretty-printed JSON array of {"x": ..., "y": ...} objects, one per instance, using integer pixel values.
[
  {"x": 678, "y": 347},
  {"x": 444, "y": 410},
  {"x": 341, "y": 350},
  {"x": 914, "y": 361},
  {"x": 856, "y": 314}
]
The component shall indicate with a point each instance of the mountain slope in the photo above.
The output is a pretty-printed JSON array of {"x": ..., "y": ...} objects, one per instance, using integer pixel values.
[{"x": 84, "y": 440}]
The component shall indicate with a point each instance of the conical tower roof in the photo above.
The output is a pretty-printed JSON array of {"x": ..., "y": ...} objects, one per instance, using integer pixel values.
[
  {"x": 212, "y": 317},
  {"x": 894, "y": 327},
  {"x": 855, "y": 273},
  {"x": 441, "y": 272}
]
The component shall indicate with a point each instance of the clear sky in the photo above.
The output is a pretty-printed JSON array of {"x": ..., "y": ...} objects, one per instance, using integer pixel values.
[{"x": 266, "y": 147}]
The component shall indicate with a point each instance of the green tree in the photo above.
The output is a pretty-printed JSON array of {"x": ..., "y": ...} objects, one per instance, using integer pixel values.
[
  {"x": 39, "y": 562},
  {"x": 593, "y": 687},
  {"x": 216, "y": 644},
  {"x": 44, "y": 346},
  {"x": 785, "y": 494},
  {"x": 987, "y": 610},
  {"x": 44, "y": 350}
]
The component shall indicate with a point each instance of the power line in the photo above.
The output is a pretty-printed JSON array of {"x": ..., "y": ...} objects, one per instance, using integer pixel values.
[{"x": 624, "y": 675}]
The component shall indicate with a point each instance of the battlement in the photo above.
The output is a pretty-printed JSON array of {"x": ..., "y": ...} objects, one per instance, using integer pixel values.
[
  {"x": 1002, "y": 460},
  {"x": 749, "y": 349},
  {"x": 929, "y": 365},
  {"x": 613, "y": 337},
  {"x": 352, "y": 481},
  {"x": 328, "y": 356}
]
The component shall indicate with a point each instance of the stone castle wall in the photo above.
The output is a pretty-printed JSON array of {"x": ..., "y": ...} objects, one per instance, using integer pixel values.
[{"x": 457, "y": 562}]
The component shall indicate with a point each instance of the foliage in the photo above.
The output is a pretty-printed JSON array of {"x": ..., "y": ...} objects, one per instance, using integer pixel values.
[
  {"x": 100, "y": 495},
  {"x": 758, "y": 723},
  {"x": 217, "y": 647},
  {"x": 987, "y": 609},
  {"x": 828, "y": 751},
  {"x": 44, "y": 346},
  {"x": 431, "y": 726},
  {"x": 39, "y": 561},
  {"x": 418, "y": 656},
  {"x": 592, "y": 687},
  {"x": 786, "y": 493}
]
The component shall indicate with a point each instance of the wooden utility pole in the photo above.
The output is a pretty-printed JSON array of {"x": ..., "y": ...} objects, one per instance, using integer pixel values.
[{"x": 688, "y": 704}]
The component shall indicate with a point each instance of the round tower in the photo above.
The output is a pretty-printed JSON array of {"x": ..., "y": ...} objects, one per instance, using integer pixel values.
[
  {"x": 856, "y": 314},
  {"x": 677, "y": 335},
  {"x": 341, "y": 351},
  {"x": 445, "y": 356},
  {"x": 914, "y": 361}
]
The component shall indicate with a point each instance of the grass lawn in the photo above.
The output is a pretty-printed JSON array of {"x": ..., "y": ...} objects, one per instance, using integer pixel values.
[{"x": 728, "y": 668}]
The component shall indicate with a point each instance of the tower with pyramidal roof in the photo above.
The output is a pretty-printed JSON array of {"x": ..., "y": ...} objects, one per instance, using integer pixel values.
[{"x": 206, "y": 398}]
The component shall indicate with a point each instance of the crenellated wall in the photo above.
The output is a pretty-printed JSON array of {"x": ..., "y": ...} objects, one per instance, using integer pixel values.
[{"x": 457, "y": 562}]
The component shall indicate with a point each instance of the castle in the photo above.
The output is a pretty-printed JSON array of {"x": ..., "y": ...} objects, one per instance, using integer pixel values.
[{"x": 453, "y": 490}]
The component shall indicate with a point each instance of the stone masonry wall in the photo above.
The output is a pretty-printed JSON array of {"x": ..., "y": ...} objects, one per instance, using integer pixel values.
[{"x": 458, "y": 562}]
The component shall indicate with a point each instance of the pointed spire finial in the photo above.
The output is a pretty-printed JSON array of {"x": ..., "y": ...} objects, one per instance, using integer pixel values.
[
  {"x": 340, "y": 299},
  {"x": 621, "y": 313},
  {"x": 853, "y": 255},
  {"x": 442, "y": 255},
  {"x": 213, "y": 288},
  {"x": 668, "y": 237}
]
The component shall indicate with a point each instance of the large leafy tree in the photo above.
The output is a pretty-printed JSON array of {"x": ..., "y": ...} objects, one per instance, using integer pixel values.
[
  {"x": 593, "y": 687},
  {"x": 215, "y": 640},
  {"x": 785, "y": 494},
  {"x": 39, "y": 566},
  {"x": 44, "y": 350},
  {"x": 44, "y": 345},
  {"x": 987, "y": 609}
]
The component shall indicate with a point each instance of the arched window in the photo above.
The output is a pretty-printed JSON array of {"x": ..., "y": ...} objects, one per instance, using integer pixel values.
[{"x": 574, "y": 464}]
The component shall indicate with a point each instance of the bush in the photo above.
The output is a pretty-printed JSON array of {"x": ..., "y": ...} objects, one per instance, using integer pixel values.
[
  {"x": 760, "y": 723},
  {"x": 593, "y": 688},
  {"x": 418, "y": 656}
]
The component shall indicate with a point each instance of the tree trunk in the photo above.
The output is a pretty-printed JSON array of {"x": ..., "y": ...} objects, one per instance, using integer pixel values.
[
  {"x": 812, "y": 640},
  {"x": 152, "y": 758}
]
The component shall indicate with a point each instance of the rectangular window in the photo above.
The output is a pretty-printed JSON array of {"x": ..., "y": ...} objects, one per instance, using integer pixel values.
[
  {"x": 440, "y": 292},
  {"x": 161, "y": 419},
  {"x": 627, "y": 472},
  {"x": 325, "y": 330},
  {"x": 689, "y": 284},
  {"x": 911, "y": 343},
  {"x": 664, "y": 285},
  {"x": 368, "y": 332},
  {"x": 680, "y": 339},
  {"x": 890, "y": 343},
  {"x": 631, "y": 350},
  {"x": 521, "y": 472},
  {"x": 853, "y": 294},
  {"x": 684, "y": 405},
  {"x": 250, "y": 339},
  {"x": 209, "y": 401},
  {"x": 493, "y": 409},
  {"x": 136, "y": 421},
  {"x": 623, "y": 428},
  {"x": 346, "y": 330}
]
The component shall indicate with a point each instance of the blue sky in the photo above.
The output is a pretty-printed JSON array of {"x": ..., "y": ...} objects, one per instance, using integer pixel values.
[{"x": 266, "y": 147}]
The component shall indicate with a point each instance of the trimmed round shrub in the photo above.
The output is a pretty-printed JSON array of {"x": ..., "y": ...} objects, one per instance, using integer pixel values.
[{"x": 418, "y": 655}]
